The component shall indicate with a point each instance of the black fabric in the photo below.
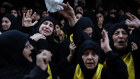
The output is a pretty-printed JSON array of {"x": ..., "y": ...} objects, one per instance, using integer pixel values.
[
  {"x": 12, "y": 43},
  {"x": 113, "y": 28},
  {"x": 116, "y": 68},
  {"x": 13, "y": 64},
  {"x": 84, "y": 23},
  {"x": 88, "y": 44},
  {"x": 14, "y": 22},
  {"x": 135, "y": 37}
]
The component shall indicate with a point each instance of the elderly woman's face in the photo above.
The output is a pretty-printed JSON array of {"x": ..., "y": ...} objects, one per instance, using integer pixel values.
[
  {"x": 120, "y": 39},
  {"x": 90, "y": 59}
]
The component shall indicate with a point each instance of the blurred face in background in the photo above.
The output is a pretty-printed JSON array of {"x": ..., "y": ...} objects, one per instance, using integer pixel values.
[
  {"x": 79, "y": 9},
  {"x": 14, "y": 12},
  {"x": 88, "y": 31},
  {"x": 24, "y": 10},
  {"x": 2, "y": 10},
  {"x": 138, "y": 11},
  {"x": 44, "y": 14},
  {"x": 6, "y": 23},
  {"x": 57, "y": 30}
]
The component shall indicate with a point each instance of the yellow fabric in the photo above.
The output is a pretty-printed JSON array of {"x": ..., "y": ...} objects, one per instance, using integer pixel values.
[
  {"x": 64, "y": 33},
  {"x": 79, "y": 74},
  {"x": 71, "y": 37},
  {"x": 128, "y": 59},
  {"x": 49, "y": 72}
]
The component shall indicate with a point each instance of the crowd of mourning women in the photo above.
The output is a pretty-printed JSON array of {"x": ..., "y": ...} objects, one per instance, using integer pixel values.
[{"x": 73, "y": 43}]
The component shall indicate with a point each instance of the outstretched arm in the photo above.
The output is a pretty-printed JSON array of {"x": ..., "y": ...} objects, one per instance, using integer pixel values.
[{"x": 68, "y": 13}]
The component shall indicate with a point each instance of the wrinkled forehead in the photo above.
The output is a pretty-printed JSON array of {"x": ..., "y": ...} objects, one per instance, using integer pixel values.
[{"x": 120, "y": 30}]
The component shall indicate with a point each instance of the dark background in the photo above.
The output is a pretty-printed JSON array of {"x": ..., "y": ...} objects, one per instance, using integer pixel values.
[{"x": 89, "y": 3}]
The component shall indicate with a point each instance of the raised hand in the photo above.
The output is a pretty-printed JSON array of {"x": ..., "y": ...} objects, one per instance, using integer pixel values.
[
  {"x": 43, "y": 59},
  {"x": 68, "y": 13},
  {"x": 37, "y": 36},
  {"x": 27, "y": 19},
  {"x": 105, "y": 42},
  {"x": 72, "y": 46},
  {"x": 133, "y": 21}
]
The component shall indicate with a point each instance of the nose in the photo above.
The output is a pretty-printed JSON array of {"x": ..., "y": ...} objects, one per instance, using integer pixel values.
[
  {"x": 32, "y": 47},
  {"x": 90, "y": 56},
  {"x": 120, "y": 35}
]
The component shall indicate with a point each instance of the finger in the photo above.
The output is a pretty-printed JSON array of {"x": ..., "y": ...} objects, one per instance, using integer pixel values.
[
  {"x": 27, "y": 14},
  {"x": 34, "y": 14},
  {"x": 68, "y": 5},
  {"x": 130, "y": 16},
  {"x": 30, "y": 12},
  {"x": 23, "y": 15},
  {"x": 127, "y": 21},
  {"x": 34, "y": 23},
  {"x": 101, "y": 41},
  {"x": 134, "y": 17},
  {"x": 63, "y": 5}
]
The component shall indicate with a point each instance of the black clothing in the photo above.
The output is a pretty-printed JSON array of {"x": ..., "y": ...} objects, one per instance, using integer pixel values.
[
  {"x": 116, "y": 67},
  {"x": 135, "y": 54},
  {"x": 13, "y": 64}
]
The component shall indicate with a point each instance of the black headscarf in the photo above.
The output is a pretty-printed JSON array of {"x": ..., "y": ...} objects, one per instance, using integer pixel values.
[
  {"x": 84, "y": 23},
  {"x": 12, "y": 43},
  {"x": 48, "y": 18},
  {"x": 113, "y": 28},
  {"x": 88, "y": 44},
  {"x": 14, "y": 22},
  {"x": 43, "y": 44}
]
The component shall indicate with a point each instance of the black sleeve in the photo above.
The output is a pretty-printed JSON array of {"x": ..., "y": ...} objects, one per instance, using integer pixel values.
[
  {"x": 28, "y": 30},
  {"x": 116, "y": 68},
  {"x": 36, "y": 73},
  {"x": 136, "y": 33},
  {"x": 14, "y": 73},
  {"x": 135, "y": 37},
  {"x": 68, "y": 73}
]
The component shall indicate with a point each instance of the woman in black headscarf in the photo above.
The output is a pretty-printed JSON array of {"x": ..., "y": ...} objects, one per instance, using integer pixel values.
[
  {"x": 120, "y": 42},
  {"x": 16, "y": 60},
  {"x": 9, "y": 22},
  {"x": 44, "y": 39},
  {"x": 88, "y": 66}
]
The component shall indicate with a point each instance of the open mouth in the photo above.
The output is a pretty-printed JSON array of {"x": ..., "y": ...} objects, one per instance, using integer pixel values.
[
  {"x": 90, "y": 63},
  {"x": 121, "y": 42}
]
